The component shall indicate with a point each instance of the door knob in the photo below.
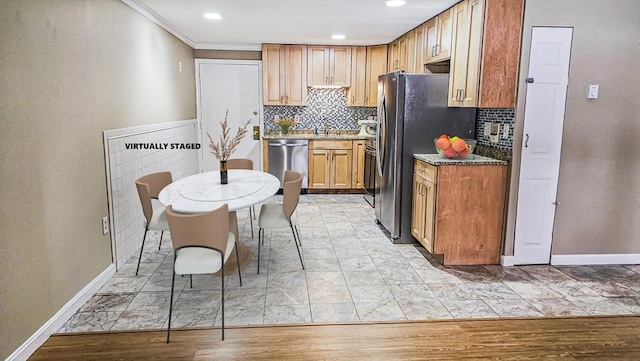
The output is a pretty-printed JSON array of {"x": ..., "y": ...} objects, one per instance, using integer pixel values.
[{"x": 256, "y": 132}]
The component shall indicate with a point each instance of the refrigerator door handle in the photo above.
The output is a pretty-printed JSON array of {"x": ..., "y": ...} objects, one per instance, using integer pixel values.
[{"x": 381, "y": 132}]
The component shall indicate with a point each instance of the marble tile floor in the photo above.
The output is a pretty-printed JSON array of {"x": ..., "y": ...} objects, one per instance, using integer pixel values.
[{"x": 353, "y": 274}]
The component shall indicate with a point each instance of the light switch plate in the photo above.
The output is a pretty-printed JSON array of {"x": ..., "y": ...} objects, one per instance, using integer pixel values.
[
  {"x": 592, "y": 92},
  {"x": 505, "y": 131},
  {"x": 487, "y": 129},
  {"x": 493, "y": 138}
]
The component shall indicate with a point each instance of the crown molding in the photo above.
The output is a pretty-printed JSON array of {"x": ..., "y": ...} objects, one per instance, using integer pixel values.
[
  {"x": 243, "y": 47},
  {"x": 153, "y": 16}
]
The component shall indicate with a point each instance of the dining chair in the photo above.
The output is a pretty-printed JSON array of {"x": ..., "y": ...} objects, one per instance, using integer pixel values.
[
  {"x": 149, "y": 186},
  {"x": 282, "y": 215},
  {"x": 244, "y": 163},
  {"x": 202, "y": 244}
]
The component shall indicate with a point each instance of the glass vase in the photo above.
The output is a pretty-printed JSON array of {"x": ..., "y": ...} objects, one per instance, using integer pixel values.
[{"x": 224, "y": 176}]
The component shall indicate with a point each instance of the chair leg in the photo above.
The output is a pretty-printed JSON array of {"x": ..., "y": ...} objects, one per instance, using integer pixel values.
[
  {"x": 251, "y": 221},
  {"x": 260, "y": 235},
  {"x": 298, "y": 248},
  {"x": 238, "y": 262},
  {"x": 141, "y": 248},
  {"x": 191, "y": 281},
  {"x": 173, "y": 282},
  {"x": 160, "y": 243},
  {"x": 254, "y": 212},
  {"x": 298, "y": 233},
  {"x": 223, "y": 298}
]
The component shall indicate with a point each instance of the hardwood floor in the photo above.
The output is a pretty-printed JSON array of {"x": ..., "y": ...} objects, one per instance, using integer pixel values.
[{"x": 594, "y": 338}]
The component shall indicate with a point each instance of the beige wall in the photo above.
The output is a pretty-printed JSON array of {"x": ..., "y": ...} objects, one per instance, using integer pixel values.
[
  {"x": 599, "y": 184},
  {"x": 68, "y": 71}
]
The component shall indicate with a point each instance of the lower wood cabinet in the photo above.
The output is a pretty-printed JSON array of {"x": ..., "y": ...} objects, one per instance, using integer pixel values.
[
  {"x": 458, "y": 210},
  {"x": 330, "y": 164}
]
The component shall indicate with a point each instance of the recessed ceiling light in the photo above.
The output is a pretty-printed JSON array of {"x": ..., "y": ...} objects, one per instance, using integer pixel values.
[
  {"x": 394, "y": 3},
  {"x": 213, "y": 16},
  {"x": 338, "y": 37}
]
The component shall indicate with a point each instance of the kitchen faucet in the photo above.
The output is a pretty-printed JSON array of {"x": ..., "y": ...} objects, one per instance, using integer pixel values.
[{"x": 326, "y": 126}]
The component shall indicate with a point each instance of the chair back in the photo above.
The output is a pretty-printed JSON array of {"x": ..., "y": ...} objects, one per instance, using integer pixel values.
[
  {"x": 209, "y": 230},
  {"x": 291, "y": 192},
  {"x": 149, "y": 186},
  {"x": 240, "y": 163}
]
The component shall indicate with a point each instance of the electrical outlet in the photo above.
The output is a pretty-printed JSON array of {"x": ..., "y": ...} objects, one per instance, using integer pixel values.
[
  {"x": 505, "y": 131},
  {"x": 105, "y": 225}
]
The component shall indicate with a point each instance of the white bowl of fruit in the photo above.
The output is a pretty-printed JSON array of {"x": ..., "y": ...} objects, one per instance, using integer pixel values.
[{"x": 454, "y": 147}]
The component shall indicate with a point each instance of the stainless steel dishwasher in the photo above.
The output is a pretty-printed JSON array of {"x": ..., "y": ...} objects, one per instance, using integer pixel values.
[{"x": 289, "y": 154}]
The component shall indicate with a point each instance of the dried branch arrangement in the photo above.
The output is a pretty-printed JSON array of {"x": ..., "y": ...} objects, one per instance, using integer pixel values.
[{"x": 223, "y": 149}]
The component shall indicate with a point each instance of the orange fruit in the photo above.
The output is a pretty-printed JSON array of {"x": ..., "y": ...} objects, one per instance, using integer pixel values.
[
  {"x": 459, "y": 145},
  {"x": 450, "y": 153},
  {"x": 464, "y": 153},
  {"x": 443, "y": 143}
]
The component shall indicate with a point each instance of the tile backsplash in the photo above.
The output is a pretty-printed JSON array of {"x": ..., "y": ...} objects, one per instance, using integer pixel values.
[
  {"x": 503, "y": 149},
  {"x": 324, "y": 105},
  {"x": 501, "y": 116}
]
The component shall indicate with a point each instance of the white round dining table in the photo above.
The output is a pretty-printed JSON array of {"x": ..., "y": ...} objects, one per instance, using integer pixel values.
[{"x": 203, "y": 192}]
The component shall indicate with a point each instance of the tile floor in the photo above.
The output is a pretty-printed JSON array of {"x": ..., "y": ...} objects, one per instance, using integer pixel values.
[{"x": 353, "y": 273}]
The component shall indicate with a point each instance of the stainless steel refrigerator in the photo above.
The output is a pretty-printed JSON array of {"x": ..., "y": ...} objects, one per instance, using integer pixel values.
[{"x": 412, "y": 111}]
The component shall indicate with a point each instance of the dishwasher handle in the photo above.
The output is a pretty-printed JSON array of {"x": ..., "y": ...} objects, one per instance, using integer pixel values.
[{"x": 286, "y": 145}]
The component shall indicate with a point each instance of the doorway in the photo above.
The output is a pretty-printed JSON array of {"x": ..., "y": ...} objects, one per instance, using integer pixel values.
[
  {"x": 547, "y": 82},
  {"x": 236, "y": 86}
]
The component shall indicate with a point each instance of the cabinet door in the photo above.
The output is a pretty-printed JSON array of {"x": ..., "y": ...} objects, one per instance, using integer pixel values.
[
  {"x": 319, "y": 168},
  {"x": 459, "y": 54},
  {"x": 376, "y": 66},
  {"x": 357, "y": 174},
  {"x": 340, "y": 66},
  {"x": 358, "y": 86},
  {"x": 429, "y": 221},
  {"x": 431, "y": 39},
  {"x": 296, "y": 75},
  {"x": 410, "y": 52},
  {"x": 393, "y": 63},
  {"x": 419, "y": 52},
  {"x": 318, "y": 71},
  {"x": 402, "y": 53},
  {"x": 475, "y": 20},
  {"x": 417, "y": 208},
  {"x": 341, "y": 168},
  {"x": 445, "y": 27},
  {"x": 273, "y": 74}
]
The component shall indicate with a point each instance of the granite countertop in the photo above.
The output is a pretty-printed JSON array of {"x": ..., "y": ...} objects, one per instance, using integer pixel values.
[{"x": 472, "y": 159}]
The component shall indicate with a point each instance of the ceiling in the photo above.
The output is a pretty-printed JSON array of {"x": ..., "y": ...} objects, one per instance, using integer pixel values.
[{"x": 246, "y": 24}]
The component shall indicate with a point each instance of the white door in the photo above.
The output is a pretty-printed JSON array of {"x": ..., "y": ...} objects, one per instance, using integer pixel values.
[
  {"x": 542, "y": 139},
  {"x": 235, "y": 85}
]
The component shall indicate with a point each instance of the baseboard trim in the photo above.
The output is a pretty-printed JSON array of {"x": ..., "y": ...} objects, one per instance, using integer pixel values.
[
  {"x": 593, "y": 259},
  {"x": 507, "y": 261},
  {"x": 50, "y": 327}
]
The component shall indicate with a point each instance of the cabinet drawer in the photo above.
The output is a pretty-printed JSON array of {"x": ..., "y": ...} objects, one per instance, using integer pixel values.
[
  {"x": 424, "y": 170},
  {"x": 330, "y": 144}
]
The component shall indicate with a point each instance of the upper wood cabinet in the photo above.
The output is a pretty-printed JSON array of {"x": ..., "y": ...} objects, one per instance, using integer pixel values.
[
  {"x": 329, "y": 65},
  {"x": 356, "y": 95},
  {"x": 393, "y": 62},
  {"x": 284, "y": 69},
  {"x": 409, "y": 58},
  {"x": 376, "y": 66},
  {"x": 485, "y": 52},
  {"x": 438, "y": 37},
  {"x": 420, "y": 49},
  {"x": 367, "y": 63}
]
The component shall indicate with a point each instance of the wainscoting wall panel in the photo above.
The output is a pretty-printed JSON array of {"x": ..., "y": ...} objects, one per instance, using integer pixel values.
[{"x": 131, "y": 153}]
